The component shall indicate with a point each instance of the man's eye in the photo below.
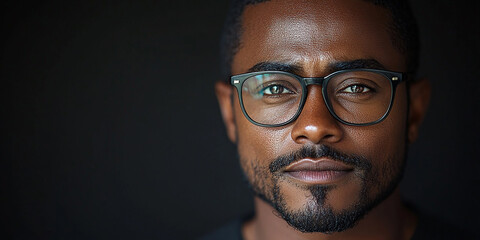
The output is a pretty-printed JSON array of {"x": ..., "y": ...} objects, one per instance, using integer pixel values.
[
  {"x": 275, "y": 90},
  {"x": 356, "y": 89}
]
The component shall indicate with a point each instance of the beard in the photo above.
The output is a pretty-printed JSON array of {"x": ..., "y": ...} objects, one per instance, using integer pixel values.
[{"x": 316, "y": 215}]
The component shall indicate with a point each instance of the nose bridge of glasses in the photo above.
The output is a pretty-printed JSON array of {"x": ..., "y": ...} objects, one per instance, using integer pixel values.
[{"x": 313, "y": 80}]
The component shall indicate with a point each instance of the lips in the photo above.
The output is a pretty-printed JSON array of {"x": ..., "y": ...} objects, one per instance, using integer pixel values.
[
  {"x": 317, "y": 165},
  {"x": 318, "y": 171}
]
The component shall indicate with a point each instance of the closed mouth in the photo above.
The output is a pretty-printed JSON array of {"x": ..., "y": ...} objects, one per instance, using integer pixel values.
[{"x": 318, "y": 171}]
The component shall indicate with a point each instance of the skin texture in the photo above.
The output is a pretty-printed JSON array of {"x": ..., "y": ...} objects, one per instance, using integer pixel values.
[{"x": 314, "y": 35}]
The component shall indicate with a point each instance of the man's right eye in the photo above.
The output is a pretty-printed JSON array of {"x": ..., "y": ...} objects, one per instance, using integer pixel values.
[{"x": 275, "y": 90}]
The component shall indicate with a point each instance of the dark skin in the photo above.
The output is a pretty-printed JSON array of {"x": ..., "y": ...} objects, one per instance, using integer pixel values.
[{"x": 313, "y": 36}]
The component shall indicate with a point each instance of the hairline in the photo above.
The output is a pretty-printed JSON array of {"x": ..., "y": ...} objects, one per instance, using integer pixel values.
[{"x": 401, "y": 34}]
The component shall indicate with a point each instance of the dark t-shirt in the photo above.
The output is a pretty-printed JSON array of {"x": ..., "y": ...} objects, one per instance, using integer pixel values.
[{"x": 427, "y": 228}]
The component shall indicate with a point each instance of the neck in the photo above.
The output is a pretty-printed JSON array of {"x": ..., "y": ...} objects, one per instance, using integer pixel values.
[{"x": 391, "y": 219}]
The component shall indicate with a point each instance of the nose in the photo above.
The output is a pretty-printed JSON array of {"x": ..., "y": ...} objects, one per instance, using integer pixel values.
[{"x": 315, "y": 123}]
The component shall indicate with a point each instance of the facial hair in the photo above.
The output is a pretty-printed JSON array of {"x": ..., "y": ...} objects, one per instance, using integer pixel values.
[{"x": 317, "y": 215}]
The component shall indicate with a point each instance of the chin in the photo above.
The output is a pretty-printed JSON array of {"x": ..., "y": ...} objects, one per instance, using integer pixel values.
[
  {"x": 327, "y": 208},
  {"x": 311, "y": 209}
]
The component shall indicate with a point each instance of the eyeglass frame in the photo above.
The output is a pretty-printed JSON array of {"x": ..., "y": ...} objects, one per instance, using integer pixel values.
[{"x": 394, "y": 77}]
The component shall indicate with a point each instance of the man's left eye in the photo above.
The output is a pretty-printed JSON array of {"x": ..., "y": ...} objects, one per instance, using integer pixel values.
[{"x": 356, "y": 89}]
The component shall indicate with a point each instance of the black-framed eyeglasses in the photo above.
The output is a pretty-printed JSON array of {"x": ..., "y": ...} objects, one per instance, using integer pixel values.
[{"x": 358, "y": 97}]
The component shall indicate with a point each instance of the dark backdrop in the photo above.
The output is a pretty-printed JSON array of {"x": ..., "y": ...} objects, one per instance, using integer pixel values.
[{"x": 110, "y": 126}]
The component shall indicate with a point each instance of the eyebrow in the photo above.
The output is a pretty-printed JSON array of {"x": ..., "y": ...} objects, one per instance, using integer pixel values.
[
  {"x": 275, "y": 66},
  {"x": 332, "y": 67},
  {"x": 355, "y": 64}
]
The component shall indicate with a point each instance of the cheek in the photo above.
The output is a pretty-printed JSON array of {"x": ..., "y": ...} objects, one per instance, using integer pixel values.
[
  {"x": 393, "y": 128},
  {"x": 260, "y": 144},
  {"x": 395, "y": 125},
  {"x": 257, "y": 147},
  {"x": 384, "y": 143}
]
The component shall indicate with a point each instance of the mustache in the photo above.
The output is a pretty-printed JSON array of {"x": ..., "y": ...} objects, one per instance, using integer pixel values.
[{"x": 319, "y": 151}]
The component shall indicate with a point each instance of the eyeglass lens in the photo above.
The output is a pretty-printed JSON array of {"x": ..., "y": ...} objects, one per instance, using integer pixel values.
[{"x": 356, "y": 97}]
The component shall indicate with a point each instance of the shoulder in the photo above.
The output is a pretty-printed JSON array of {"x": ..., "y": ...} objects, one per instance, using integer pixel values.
[
  {"x": 230, "y": 231},
  {"x": 430, "y": 227}
]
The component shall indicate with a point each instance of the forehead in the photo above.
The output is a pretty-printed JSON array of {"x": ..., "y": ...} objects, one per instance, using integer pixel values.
[{"x": 313, "y": 34}]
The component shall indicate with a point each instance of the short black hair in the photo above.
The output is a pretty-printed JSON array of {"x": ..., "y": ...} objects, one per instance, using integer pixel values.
[{"x": 404, "y": 31}]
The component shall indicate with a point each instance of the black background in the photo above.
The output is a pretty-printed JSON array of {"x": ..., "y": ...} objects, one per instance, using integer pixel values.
[{"x": 110, "y": 126}]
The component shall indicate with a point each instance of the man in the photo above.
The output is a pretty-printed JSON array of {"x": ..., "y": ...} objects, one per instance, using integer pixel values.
[{"x": 322, "y": 104}]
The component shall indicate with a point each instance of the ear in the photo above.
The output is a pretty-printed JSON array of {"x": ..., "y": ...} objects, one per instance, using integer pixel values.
[
  {"x": 420, "y": 91},
  {"x": 224, "y": 93}
]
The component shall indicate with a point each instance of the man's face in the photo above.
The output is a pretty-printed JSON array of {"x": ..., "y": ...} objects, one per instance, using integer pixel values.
[{"x": 319, "y": 174}]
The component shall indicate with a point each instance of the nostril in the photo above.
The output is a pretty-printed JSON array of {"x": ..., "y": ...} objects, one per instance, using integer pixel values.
[
  {"x": 329, "y": 136},
  {"x": 324, "y": 130}
]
